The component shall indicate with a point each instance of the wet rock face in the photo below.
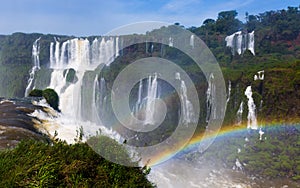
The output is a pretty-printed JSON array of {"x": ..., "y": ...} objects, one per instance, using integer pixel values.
[{"x": 15, "y": 122}]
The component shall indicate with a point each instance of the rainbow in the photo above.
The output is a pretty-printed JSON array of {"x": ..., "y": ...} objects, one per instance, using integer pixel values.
[{"x": 197, "y": 140}]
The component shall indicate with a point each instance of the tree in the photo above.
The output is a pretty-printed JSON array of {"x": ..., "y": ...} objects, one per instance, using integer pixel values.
[
  {"x": 227, "y": 22},
  {"x": 51, "y": 97}
]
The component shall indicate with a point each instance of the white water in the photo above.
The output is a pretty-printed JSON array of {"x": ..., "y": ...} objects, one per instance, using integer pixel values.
[
  {"x": 252, "y": 120},
  {"x": 36, "y": 65},
  {"x": 192, "y": 41},
  {"x": 251, "y": 42},
  {"x": 67, "y": 128},
  {"x": 187, "y": 109},
  {"x": 152, "y": 95},
  {"x": 229, "y": 91},
  {"x": 81, "y": 55},
  {"x": 178, "y": 173},
  {"x": 95, "y": 101},
  {"x": 210, "y": 99},
  {"x": 261, "y": 133},
  {"x": 171, "y": 42},
  {"x": 239, "y": 113},
  {"x": 145, "y": 107},
  {"x": 260, "y": 75},
  {"x": 239, "y": 42}
]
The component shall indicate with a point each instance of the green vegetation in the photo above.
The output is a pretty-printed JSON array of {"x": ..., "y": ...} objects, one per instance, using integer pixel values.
[
  {"x": 39, "y": 164},
  {"x": 51, "y": 97},
  {"x": 276, "y": 155},
  {"x": 49, "y": 94},
  {"x": 277, "y": 47},
  {"x": 277, "y": 41},
  {"x": 36, "y": 93}
]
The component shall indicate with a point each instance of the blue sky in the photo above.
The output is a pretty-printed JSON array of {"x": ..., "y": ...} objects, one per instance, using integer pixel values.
[{"x": 97, "y": 17}]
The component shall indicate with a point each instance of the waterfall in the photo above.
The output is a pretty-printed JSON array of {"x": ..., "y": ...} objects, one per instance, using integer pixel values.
[
  {"x": 187, "y": 109},
  {"x": 102, "y": 102},
  {"x": 171, "y": 42},
  {"x": 251, "y": 42},
  {"x": 95, "y": 51},
  {"x": 95, "y": 101},
  {"x": 239, "y": 42},
  {"x": 260, "y": 75},
  {"x": 81, "y": 56},
  {"x": 152, "y": 94},
  {"x": 252, "y": 121},
  {"x": 192, "y": 41},
  {"x": 36, "y": 65},
  {"x": 210, "y": 99},
  {"x": 229, "y": 91},
  {"x": 152, "y": 48},
  {"x": 145, "y": 108},
  {"x": 239, "y": 114},
  {"x": 139, "y": 101}
]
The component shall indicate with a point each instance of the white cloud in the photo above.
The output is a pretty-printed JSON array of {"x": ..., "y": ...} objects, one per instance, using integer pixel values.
[{"x": 179, "y": 5}]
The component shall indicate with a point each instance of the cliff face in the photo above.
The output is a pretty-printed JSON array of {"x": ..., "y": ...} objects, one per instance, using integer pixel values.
[{"x": 271, "y": 48}]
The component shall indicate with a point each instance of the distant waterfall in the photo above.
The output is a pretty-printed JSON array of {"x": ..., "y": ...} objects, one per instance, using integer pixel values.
[
  {"x": 36, "y": 65},
  {"x": 260, "y": 75},
  {"x": 239, "y": 114},
  {"x": 95, "y": 101},
  {"x": 192, "y": 41},
  {"x": 171, "y": 42},
  {"x": 187, "y": 110},
  {"x": 252, "y": 121},
  {"x": 210, "y": 99},
  {"x": 98, "y": 99},
  {"x": 239, "y": 42},
  {"x": 81, "y": 55},
  {"x": 145, "y": 107},
  {"x": 152, "y": 94},
  {"x": 229, "y": 91}
]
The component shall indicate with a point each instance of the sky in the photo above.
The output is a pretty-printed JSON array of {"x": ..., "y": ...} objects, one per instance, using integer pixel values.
[{"x": 98, "y": 17}]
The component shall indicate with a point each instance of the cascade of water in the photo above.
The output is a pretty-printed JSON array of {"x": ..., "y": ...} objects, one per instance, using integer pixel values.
[
  {"x": 139, "y": 101},
  {"x": 192, "y": 41},
  {"x": 52, "y": 58},
  {"x": 187, "y": 108},
  {"x": 80, "y": 55},
  {"x": 239, "y": 114},
  {"x": 152, "y": 94},
  {"x": 239, "y": 42},
  {"x": 251, "y": 42},
  {"x": 252, "y": 121},
  {"x": 56, "y": 54},
  {"x": 229, "y": 91},
  {"x": 36, "y": 65},
  {"x": 152, "y": 48},
  {"x": 171, "y": 42},
  {"x": 117, "y": 47},
  {"x": 95, "y": 51},
  {"x": 102, "y": 102},
  {"x": 95, "y": 101},
  {"x": 261, "y": 133},
  {"x": 107, "y": 50},
  {"x": 260, "y": 75},
  {"x": 210, "y": 99}
]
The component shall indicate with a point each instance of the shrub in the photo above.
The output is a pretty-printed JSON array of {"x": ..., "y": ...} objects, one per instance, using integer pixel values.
[
  {"x": 51, "y": 97},
  {"x": 39, "y": 164},
  {"x": 36, "y": 93}
]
